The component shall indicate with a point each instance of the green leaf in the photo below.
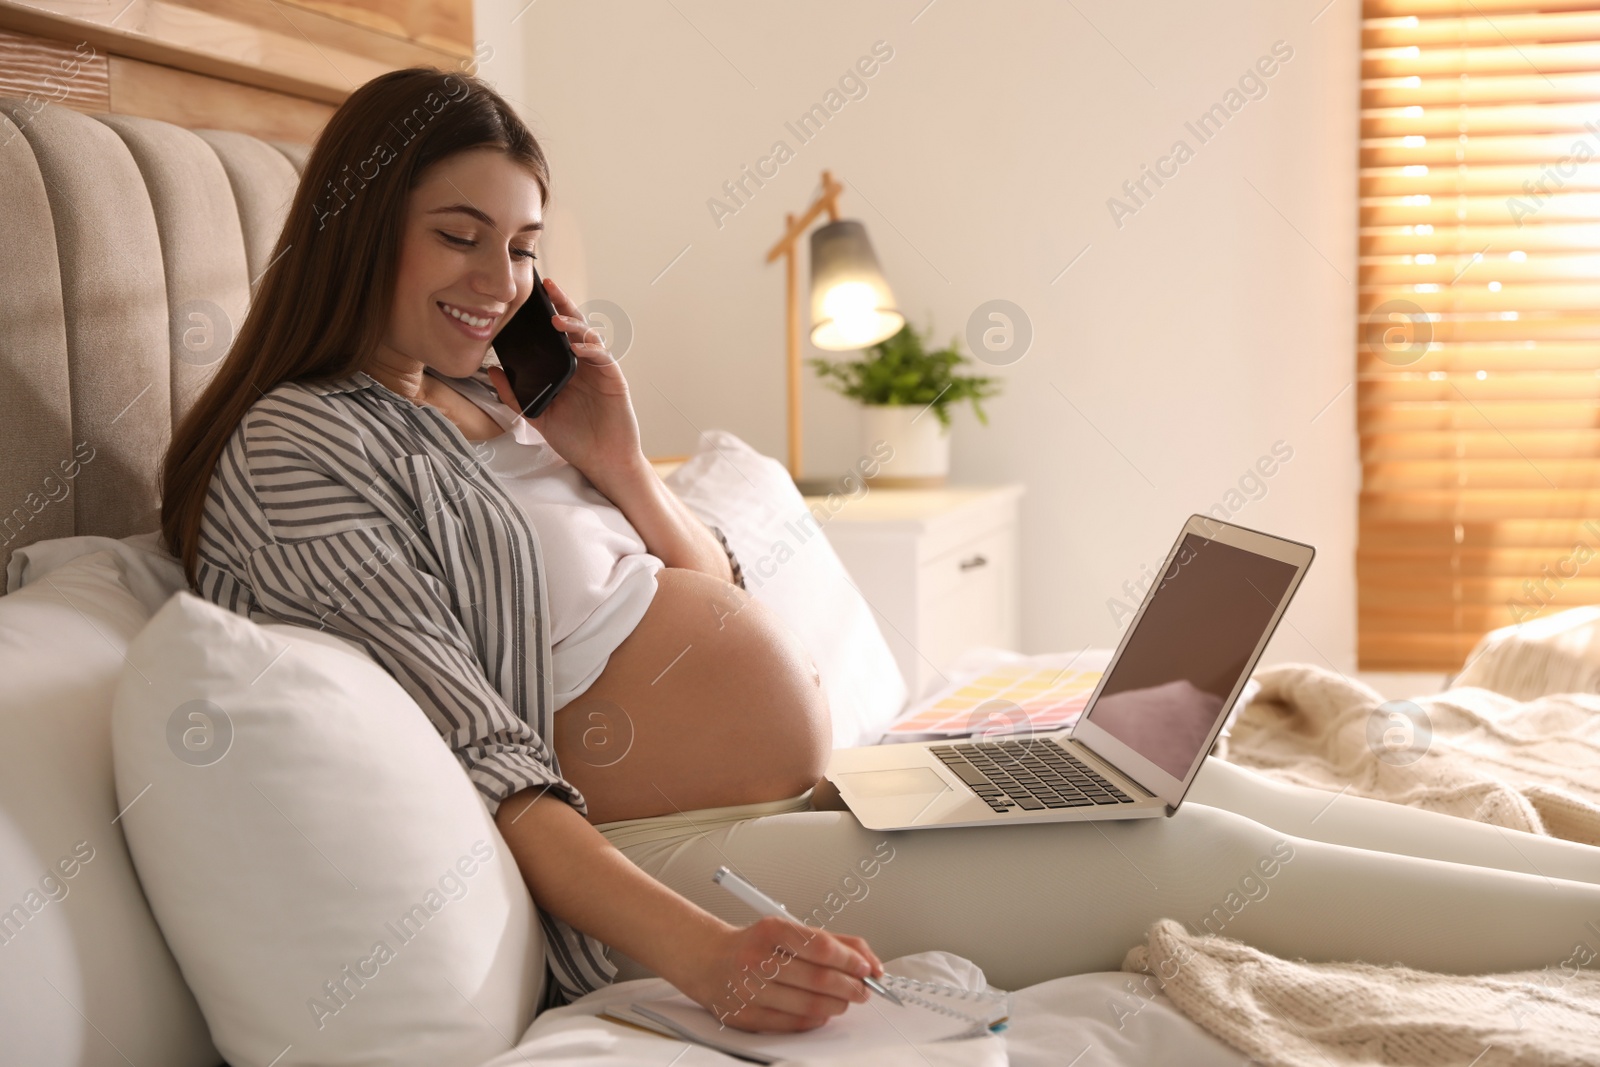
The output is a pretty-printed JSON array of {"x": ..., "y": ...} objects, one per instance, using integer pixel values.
[{"x": 899, "y": 370}]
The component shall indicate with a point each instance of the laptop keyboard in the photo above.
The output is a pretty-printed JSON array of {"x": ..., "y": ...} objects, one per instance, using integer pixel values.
[{"x": 1031, "y": 774}]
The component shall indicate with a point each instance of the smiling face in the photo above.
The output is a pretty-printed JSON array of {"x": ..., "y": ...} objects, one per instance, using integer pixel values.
[{"x": 471, "y": 226}]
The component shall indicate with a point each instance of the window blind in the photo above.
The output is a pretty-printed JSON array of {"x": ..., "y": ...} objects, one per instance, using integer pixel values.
[{"x": 1478, "y": 363}]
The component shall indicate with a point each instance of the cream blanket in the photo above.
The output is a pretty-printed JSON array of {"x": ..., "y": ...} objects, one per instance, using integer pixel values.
[
  {"x": 1332, "y": 1014},
  {"x": 1532, "y": 766}
]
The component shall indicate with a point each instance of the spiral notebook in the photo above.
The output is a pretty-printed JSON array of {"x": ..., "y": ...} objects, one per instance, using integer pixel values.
[{"x": 932, "y": 1011}]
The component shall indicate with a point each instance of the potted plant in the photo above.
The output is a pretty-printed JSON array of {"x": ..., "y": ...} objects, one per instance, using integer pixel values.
[{"x": 897, "y": 382}]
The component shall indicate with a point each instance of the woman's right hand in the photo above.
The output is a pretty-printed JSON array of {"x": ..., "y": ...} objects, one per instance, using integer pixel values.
[{"x": 777, "y": 975}]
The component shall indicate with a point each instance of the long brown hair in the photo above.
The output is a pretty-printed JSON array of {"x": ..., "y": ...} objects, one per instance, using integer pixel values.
[{"x": 323, "y": 304}]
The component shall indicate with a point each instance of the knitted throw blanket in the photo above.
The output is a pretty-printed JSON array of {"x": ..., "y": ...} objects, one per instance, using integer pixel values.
[
  {"x": 1532, "y": 766},
  {"x": 1332, "y": 1014}
]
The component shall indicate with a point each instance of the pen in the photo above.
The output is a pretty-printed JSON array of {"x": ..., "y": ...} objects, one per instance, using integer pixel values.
[{"x": 767, "y": 906}]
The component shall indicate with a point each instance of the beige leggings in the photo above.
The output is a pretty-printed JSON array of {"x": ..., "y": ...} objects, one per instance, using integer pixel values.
[{"x": 1295, "y": 872}]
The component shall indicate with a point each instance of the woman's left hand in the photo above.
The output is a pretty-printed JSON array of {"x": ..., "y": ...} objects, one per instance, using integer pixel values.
[{"x": 590, "y": 423}]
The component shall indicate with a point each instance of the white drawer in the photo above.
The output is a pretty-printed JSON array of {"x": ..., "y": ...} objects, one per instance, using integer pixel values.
[
  {"x": 939, "y": 569},
  {"x": 966, "y": 598}
]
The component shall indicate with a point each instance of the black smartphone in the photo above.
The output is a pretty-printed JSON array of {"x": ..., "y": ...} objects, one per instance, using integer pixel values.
[{"x": 538, "y": 359}]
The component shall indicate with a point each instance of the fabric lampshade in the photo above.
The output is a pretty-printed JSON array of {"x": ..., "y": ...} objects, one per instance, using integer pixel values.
[{"x": 851, "y": 305}]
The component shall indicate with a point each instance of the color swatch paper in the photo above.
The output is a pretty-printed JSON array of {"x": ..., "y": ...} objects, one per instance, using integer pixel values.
[{"x": 1020, "y": 699}]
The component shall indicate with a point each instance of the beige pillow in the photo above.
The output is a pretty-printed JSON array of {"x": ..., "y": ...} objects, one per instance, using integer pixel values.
[{"x": 1557, "y": 654}]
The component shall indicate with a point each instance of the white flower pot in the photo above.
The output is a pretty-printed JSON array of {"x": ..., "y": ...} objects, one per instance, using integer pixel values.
[{"x": 920, "y": 456}]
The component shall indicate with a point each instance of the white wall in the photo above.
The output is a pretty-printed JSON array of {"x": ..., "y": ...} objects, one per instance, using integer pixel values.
[
  {"x": 1214, "y": 322},
  {"x": 502, "y": 45}
]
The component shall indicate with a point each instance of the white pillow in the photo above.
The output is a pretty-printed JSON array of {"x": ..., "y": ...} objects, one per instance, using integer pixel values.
[
  {"x": 790, "y": 566},
  {"x": 148, "y": 571},
  {"x": 85, "y": 977},
  {"x": 325, "y": 873}
]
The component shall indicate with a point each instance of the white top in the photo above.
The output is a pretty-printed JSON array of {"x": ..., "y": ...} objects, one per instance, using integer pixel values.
[{"x": 600, "y": 576}]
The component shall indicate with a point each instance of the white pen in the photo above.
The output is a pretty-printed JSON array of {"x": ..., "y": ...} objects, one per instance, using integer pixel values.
[{"x": 765, "y": 905}]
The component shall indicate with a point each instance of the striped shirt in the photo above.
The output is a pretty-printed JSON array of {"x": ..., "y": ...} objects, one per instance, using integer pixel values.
[{"x": 345, "y": 507}]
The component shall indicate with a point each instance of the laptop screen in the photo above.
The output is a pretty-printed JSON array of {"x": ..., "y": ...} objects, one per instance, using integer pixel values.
[{"x": 1198, "y": 632}]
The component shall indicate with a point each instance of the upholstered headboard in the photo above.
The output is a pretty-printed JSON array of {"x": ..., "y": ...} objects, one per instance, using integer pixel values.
[
  {"x": 129, "y": 248},
  {"x": 129, "y": 251}
]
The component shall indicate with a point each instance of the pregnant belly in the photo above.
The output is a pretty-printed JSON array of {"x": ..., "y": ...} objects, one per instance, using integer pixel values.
[{"x": 710, "y": 701}]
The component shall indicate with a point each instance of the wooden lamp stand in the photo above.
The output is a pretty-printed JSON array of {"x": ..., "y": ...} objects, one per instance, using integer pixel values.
[{"x": 794, "y": 229}]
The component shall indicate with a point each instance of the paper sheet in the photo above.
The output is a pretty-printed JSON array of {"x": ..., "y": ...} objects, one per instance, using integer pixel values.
[{"x": 876, "y": 1023}]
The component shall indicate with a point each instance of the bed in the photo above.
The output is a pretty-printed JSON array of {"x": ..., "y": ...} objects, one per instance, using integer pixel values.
[{"x": 132, "y": 245}]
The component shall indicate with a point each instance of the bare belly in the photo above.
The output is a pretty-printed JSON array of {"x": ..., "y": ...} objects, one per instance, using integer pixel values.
[{"x": 710, "y": 701}]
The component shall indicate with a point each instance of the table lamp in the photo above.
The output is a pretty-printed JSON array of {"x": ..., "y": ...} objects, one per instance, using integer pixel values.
[{"x": 851, "y": 306}]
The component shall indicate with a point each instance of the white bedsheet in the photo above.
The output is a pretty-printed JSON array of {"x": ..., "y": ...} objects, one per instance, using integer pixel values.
[{"x": 1088, "y": 1020}]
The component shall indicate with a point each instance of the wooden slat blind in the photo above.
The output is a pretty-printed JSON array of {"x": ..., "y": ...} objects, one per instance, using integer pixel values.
[{"x": 1478, "y": 369}]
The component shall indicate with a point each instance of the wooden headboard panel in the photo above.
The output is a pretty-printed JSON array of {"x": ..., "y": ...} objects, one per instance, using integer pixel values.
[{"x": 275, "y": 69}]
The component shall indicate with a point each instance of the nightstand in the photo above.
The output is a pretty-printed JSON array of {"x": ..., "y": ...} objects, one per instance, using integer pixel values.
[{"x": 938, "y": 566}]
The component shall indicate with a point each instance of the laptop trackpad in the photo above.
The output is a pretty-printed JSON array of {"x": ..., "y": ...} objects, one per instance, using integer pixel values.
[{"x": 904, "y": 781}]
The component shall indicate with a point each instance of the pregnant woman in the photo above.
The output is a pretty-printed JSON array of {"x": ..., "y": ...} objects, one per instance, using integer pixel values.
[{"x": 632, "y": 717}]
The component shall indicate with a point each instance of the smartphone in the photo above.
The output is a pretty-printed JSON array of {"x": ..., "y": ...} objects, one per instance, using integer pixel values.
[{"x": 538, "y": 359}]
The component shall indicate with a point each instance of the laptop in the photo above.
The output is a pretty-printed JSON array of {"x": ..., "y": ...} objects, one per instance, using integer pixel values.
[{"x": 1146, "y": 728}]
